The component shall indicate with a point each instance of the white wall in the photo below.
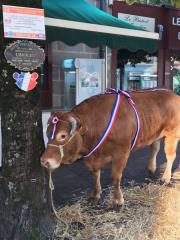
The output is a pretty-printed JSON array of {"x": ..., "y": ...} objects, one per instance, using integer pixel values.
[{"x": 45, "y": 117}]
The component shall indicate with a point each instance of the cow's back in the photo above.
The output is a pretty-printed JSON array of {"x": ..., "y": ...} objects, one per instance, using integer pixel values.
[{"x": 159, "y": 113}]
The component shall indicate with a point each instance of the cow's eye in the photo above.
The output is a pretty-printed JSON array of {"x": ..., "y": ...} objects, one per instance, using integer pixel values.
[{"x": 63, "y": 136}]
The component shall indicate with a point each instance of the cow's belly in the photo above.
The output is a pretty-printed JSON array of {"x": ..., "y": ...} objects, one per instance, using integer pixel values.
[
  {"x": 146, "y": 139},
  {"x": 147, "y": 142},
  {"x": 149, "y": 137}
]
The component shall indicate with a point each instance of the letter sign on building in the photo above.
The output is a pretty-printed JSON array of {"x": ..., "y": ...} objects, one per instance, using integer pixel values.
[{"x": 176, "y": 21}]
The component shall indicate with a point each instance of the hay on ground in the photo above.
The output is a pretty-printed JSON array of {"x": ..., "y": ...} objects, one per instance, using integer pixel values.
[{"x": 151, "y": 212}]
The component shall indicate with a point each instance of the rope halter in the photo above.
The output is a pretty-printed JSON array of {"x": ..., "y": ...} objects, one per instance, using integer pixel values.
[{"x": 55, "y": 121}]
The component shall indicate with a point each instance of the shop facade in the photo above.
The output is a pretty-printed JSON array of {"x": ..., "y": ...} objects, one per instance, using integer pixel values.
[
  {"x": 79, "y": 58},
  {"x": 160, "y": 69}
]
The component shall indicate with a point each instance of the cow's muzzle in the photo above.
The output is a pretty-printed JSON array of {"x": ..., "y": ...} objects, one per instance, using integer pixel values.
[{"x": 49, "y": 163}]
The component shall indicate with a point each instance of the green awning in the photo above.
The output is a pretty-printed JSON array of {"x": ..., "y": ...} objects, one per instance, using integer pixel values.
[{"x": 76, "y": 21}]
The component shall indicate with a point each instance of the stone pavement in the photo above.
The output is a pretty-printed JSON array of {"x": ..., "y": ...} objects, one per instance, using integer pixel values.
[{"x": 73, "y": 180}]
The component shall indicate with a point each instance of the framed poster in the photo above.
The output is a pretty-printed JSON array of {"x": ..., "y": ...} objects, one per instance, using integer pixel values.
[
  {"x": 22, "y": 22},
  {"x": 89, "y": 78}
]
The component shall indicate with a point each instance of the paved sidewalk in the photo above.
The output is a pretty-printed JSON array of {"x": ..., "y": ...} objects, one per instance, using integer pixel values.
[{"x": 72, "y": 180}]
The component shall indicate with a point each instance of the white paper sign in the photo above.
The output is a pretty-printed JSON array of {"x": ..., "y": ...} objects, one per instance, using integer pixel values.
[
  {"x": 89, "y": 80},
  {"x": 22, "y": 22}
]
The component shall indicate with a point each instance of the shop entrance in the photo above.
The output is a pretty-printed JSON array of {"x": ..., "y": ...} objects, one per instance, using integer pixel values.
[
  {"x": 136, "y": 70},
  {"x": 176, "y": 75}
]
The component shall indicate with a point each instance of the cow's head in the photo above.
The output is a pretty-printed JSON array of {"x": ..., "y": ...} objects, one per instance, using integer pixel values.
[{"x": 65, "y": 141}]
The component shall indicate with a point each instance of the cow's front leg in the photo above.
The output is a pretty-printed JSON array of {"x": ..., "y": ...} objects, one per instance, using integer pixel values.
[
  {"x": 96, "y": 194},
  {"x": 117, "y": 169}
]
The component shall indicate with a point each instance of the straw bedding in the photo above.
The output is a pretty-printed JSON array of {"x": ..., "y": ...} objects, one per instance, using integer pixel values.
[{"x": 151, "y": 212}]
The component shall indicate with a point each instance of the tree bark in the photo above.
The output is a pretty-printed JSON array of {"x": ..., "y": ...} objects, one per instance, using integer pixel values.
[{"x": 24, "y": 210}]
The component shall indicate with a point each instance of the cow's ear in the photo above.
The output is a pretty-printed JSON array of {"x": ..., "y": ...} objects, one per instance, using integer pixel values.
[
  {"x": 77, "y": 125},
  {"x": 83, "y": 129}
]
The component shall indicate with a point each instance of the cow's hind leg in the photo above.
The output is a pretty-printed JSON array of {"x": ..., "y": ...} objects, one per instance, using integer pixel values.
[
  {"x": 118, "y": 166},
  {"x": 155, "y": 147},
  {"x": 170, "y": 151},
  {"x": 96, "y": 194}
]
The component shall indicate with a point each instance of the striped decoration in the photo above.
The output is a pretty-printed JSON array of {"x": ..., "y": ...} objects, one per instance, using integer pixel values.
[
  {"x": 113, "y": 117},
  {"x": 110, "y": 124}
]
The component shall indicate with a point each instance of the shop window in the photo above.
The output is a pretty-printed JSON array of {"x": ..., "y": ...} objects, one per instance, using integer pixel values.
[
  {"x": 77, "y": 73},
  {"x": 176, "y": 77},
  {"x": 140, "y": 76}
]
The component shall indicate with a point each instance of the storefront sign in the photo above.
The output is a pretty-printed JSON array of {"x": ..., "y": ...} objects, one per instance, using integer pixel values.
[
  {"x": 24, "y": 55},
  {"x": 176, "y": 25},
  {"x": 176, "y": 21},
  {"x": 146, "y": 23},
  {"x": 22, "y": 22}
]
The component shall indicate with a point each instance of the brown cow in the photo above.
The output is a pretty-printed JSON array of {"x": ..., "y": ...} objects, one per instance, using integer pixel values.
[{"x": 78, "y": 131}]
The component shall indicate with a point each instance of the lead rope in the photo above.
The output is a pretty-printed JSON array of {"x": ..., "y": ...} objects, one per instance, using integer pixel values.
[{"x": 51, "y": 187}]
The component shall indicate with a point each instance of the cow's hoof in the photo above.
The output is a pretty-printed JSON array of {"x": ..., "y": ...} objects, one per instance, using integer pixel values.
[
  {"x": 94, "y": 200},
  {"x": 169, "y": 184},
  {"x": 117, "y": 207},
  {"x": 165, "y": 180},
  {"x": 151, "y": 173},
  {"x": 118, "y": 204}
]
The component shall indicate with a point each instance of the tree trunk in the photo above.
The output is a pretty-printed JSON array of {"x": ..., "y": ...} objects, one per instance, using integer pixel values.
[{"x": 24, "y": 210}]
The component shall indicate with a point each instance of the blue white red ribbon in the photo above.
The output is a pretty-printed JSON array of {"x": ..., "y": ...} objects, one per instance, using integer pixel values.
[
  {"x": 54, "y": 121},
  {"x": 110, "y": 124},
  {"x": 132, "y": 104},
  {"x": 113, "y": 117}
]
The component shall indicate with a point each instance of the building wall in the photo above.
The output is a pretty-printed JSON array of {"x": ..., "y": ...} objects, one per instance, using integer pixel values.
[{"x": 168, "y": 46}]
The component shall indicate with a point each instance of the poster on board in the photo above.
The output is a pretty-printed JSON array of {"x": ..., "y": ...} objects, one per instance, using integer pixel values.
[
  {"x": 22, "y": 22},
  {"x": 89, "y": 78}
]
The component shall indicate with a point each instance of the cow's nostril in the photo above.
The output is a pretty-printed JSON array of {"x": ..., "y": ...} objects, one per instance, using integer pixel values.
[
  {"x": 44, "y": 163},
  {"x": 47, "y": 164}
]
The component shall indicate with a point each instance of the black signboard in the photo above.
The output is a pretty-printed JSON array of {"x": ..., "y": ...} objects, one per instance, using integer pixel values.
[{"x": 24, "y": 55}]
